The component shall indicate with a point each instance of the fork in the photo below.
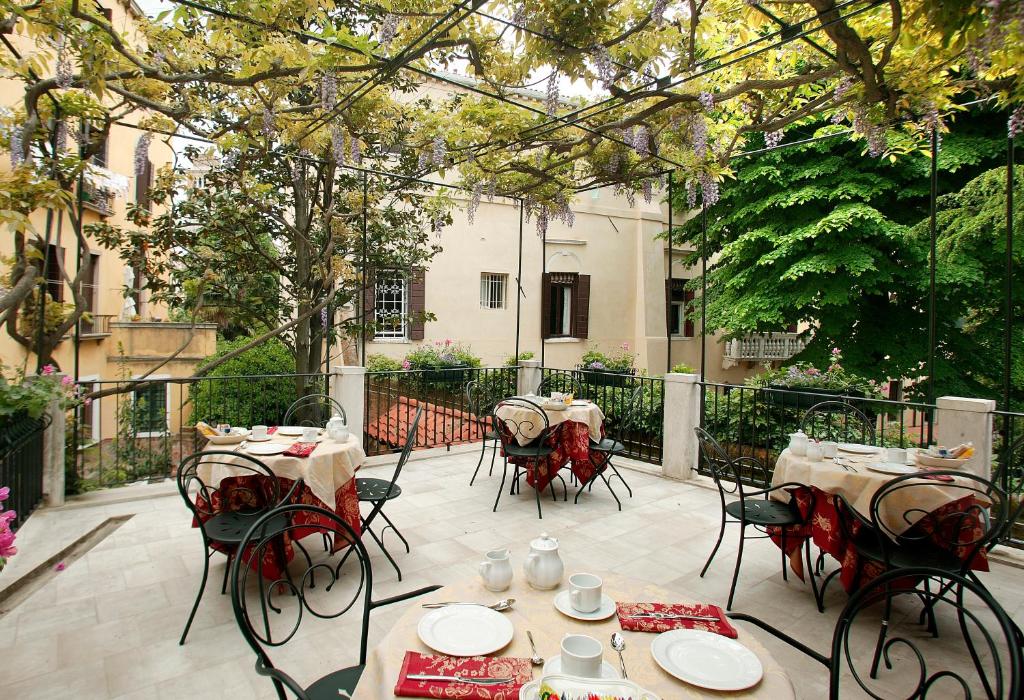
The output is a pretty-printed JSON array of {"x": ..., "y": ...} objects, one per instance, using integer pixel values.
[{"x": 672, "y": 616}]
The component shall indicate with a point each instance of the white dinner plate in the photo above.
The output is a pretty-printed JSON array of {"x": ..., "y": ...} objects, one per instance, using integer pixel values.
[
  {"x": 291, "y": 430},
  {"x": 854, "y": 448},
  {"x": 266, "y": 448},
  {"x": 580, "y": 402},
  {"x": 563, "y": 603},
  {"x": 707, "y": 660},
  {"x": 465, "y": 630},
  {"x": 554, "y": 667},
  {"x": 892, "y": 468}
]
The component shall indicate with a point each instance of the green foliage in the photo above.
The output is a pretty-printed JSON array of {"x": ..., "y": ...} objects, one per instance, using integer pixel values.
[
  {"x": 30, "y": 397},
  {"x": 804, "y": 375},
  {"x": 382, "y": 363},
  {"x": 259, "y": 396},
  {"x": 441, "y": 355},
  {"x": 621, "y": 361},
  {"x": 683, "y": 368},
  {"x": 512, "y": 361}
]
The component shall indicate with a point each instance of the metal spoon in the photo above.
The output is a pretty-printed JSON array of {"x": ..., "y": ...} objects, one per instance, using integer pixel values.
[
  {"x": 503, "y": 604},
  {"x": 618, "y": 644},
  {"x": 536, "y": 659}
]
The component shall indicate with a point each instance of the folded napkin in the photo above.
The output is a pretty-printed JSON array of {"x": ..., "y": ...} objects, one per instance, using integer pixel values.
[
  {"x": 649, "y": 624},
  {"x": 415, "y": 663},
  {"x": 935, "y": 477},
  {"x": 271, "y": 430},
  {"x": 300, "y": 449}
]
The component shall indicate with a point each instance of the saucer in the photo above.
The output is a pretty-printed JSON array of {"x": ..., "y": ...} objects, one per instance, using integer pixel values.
[
  {"x": 261, "y": 439},
  {"x": 554, "y": 666},
  {"x": 563, "y": 605}
]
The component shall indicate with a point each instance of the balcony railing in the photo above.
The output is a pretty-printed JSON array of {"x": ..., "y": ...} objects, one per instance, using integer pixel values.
[
  {"x": 95, "y": 326},
  {"x": 762, "y": 347},
  {"x": 98, "y": 199}
]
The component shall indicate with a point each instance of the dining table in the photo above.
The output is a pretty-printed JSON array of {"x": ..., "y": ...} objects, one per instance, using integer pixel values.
[
  {"x": 534, "y": 611},
  {"x": 573, "y": 428},
  {"x": 856, "y": 479}
]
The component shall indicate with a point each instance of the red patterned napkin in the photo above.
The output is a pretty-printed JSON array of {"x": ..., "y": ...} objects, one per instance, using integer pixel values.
[
  {"x": 478, "y": 666},
  {"x": 271, "y": 430},
  {"x": 936, "y": 477},
  {"x": 300, "y": 449},
  {"x": 650, "y": 624}
]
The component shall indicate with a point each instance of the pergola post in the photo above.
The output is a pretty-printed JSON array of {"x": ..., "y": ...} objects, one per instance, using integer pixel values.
[
  {"x": 519, "y": 280},
  {"x": 933, "y": 213},
  {"x": 668, "y": 284}
]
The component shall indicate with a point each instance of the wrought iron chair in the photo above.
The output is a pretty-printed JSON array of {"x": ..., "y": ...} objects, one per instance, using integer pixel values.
[
  {"x": 313, "y": 410},
  {"x": 222, "y": 530},
  {"x": 990, "y": 661},
  {"x": 602, "y": 452},
  {"x": 752, "y": 507},
  {"x": 565, "y": 382},
  {"x": 481, "y": 406},
  {"x": 380, "y": 491},
  {"x": 262, "y": 630},
  {"x": 838, "y": 421},
  {"x": 533, "y": 428}
]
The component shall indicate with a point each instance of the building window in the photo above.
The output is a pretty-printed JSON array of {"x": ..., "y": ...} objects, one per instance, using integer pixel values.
[
  {"x": 88, "y": 420},
  {"x": 492, "y": 290},
  {"x": 565, "y": 305},
  {"x": 150, "y": 409},
  {"x": 390, "y": 305},
  {"x": 53, "y": 267},
  {"x": 680, "y": 308},
  {"x": 90, "y": 290}
]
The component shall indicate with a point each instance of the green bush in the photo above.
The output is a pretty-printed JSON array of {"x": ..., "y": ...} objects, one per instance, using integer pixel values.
[
  {"x": 512, "y": 361},
  {"x": 441, "y": 355},
  {"x": 683, "y": 368},
  {"x": 382, "y": 363},
  {"x": 218, "y": 398}
]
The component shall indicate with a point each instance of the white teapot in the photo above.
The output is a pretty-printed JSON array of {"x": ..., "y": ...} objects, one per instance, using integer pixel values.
[
  {"x": 798, "y": 443},
  {"x": 543, "y": 567},
  {"x": 496, "y": 570},
  {"x": 336, "y": 428}
]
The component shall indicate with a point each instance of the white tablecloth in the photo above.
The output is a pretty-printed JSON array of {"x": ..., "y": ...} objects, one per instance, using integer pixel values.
[{"x": 530, "y": 425}]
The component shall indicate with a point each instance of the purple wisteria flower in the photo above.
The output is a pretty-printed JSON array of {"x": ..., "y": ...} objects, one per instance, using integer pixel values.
[
  {"x": 439, "y": 152},
  {"x": 141, "y": 158},
  {"x": 474, "y": 200},
  {"x": 1015, "y": 124},
  {"x": 63, "y": 73},
  {"x": 604, "y": 65},
  {"x": 551, "y": 97},
  {"x": 338, "y": 145},
  {"x": 658, "y": 12},
  {"x": 709, "y": 189},
  {"x": 772, "y": 139},
  {"x": 699, "y": 136},
  {"x": 707, "y": 101},
  {"x": 329, "y": 91},
  {"x": 17, "y": 146},
  {"x": 388, "y": 29}
]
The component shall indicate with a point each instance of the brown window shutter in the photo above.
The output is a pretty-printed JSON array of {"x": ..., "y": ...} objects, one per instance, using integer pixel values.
[
  {"x": 545, "y": 305},
  {"x": 143, "y": 181},
  {"x": 581, "y": 307},
  {"x": 668, "y": 305},
  {"x": 369, "y": 296},
  {"x": 688, "y": 297},
  {"x": 417, "y": 302}
]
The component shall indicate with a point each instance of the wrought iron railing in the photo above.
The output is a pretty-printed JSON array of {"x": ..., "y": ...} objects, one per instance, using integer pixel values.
[
  {"x": 1008, "y": 444},
  {"x": 21, "y": 465},
  {"x": 613, "y": 393},
  {"x": 392, "y": 399},
  {"x": 147, "y": 427}
]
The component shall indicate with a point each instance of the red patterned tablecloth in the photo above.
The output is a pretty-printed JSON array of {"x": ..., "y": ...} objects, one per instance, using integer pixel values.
[
  {"x": 822, "y": 524},
  {"x": 252, "y": 492},
  {"x": 571, "y": 441}
]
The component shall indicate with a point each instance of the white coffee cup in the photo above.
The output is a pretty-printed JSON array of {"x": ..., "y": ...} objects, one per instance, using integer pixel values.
[
  {"x": 310, "y": 434},
  {"x": 585, "y": 592},
  {"x": 829, "y": 449},
  {"x": 581, "y": 656},
  {"x": 259, "y": 432},
  {"x": 896, "y": 455}
]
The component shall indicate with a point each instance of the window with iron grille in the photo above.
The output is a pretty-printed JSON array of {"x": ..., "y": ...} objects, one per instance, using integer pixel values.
[
  {"x": 149, "y": 409},
  {"x": 492, "y": 290},
  {"x": 391, "y": 305}
]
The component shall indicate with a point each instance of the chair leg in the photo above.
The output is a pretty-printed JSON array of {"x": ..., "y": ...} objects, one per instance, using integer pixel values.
[
  {"x": 483, "y": 448},
  {"x": 883, "y": 631},
  {"x": 386, "y": 552},
  {"x": 494, "y": 451},
  {"x": 199, "y": 596},
  {"x": 536, "y": 492},
  {"x": 608, "y": 483},
  {"x": 504, "y": 473},
  {"x": 736, "y": 571},
  {"x": 395, "y": 529},
  {"x": 714, "y": 550},
  {"x": 818, "y": 597},
  {"x": 628, "y": 490},
  {"x": 224, "y": 583},
  {"x": 782, "y": 544}
]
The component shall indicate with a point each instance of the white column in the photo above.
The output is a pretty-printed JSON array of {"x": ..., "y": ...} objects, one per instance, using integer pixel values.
[
  {"x": 53, "y": 453},
  {"x": 529, "y": 377},
  {"x": 348, "y": 387},
  {"x": 960, "y": 420},
  {"x": 681, "y": 416}
]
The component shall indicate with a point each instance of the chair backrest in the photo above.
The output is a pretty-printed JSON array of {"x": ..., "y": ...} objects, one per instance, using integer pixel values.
[
  {"x": 313, "y": 410},
  {"x": 977, "y": 653},
  {"x": 974, "y": 515},
  {"x": 480, "y": 402},
  {"x": 250, "y": 489},
  {"x": 526, "y": 422},
  {"x": 730, "y": 473},
  {"x": 269, "y": 613},
  {"x": 838, "y": 421},
  {"x": 410, "y": 441},
  {"x": 628, "y": 414},
  {"x": 565, "y": 382}
]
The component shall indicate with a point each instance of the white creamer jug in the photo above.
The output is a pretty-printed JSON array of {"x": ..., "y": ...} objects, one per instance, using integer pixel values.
[
  {"x": 543, "y": 567},
  {"x": 496, "y": 570}
]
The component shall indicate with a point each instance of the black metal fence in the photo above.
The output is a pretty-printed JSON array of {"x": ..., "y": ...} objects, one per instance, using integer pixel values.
[
  {"x": 392, "y": 399},
  {"x": 21, "y": 465},
  {"x": 757, "y": 422},
  {"x": 1008, "y": 444},
  {"x": 145, "y": 429},
  {"x": 613, "y": 393}
]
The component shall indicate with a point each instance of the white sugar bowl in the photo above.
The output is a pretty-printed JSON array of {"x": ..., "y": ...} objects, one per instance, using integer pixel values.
[{"x": 543, "y": 567}]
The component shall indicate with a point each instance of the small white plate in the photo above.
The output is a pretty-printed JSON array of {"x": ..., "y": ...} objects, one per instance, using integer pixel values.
[
  {"x": 554, "y": 667},
  {"x": 261, "y": 439},
  {"x": 707, "y": 660},
  {"x": 563, "y": 603},
  {"x": 571, "y": 686},
  {"x": 854, "y": 448},
  {"x": 580, "y": 402},
  {"x": 465, "y": 630},
  {"x": 293, "y": 430},
  {"x": 267, "y": 448},
  {"x": 892, "y": 468}
]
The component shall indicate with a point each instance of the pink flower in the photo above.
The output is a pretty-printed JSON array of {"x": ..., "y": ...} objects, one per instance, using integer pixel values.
[
  {"x": 406, "y": 364},
  {"x": 88, "y": 401},
  {"x": 835, "y": 351},
  {"x": 813, "y": 371},
  {"x": 49, "y": 369},
  {"x": 6, "y": 517},
  {"x": 625, "y": 346},
  {"x": 833, "y": 367},
  {"x": 5, "y": 491},
  {"x": 447, "y": 342},
  {"x": 66, "y": 380},
  {"x": 60, "y": 566}
]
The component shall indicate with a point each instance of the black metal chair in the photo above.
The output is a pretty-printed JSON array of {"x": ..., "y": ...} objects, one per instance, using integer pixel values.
[
  {"x": 313, "y": 410},
  {"x": 222, "y": 530},
  {"x": 534, "y": 429},
  {"x": 380, "y": 491},
  {"x": 564, "y": 382},
  {"x": 988, "y": 658},
  {"x": 602, "y": 452},
  {"x": 838, "y": 421},
  {"x": 267, "y": 623},
  {"x": 481, "y": 407},
  {"x": 751, "y": 507}
]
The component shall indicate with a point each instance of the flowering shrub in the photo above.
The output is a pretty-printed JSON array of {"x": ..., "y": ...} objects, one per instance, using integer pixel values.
[
  {"x": 804, "y": 375},
  {"x": 18, "y": 396},
  {"x": 622, "y": 361},
  {"x": 7, "y": 548},
  {"x": 441, "y": 355}
]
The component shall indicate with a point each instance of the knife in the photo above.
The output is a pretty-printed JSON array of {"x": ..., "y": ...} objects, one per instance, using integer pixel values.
[
  {"x": 673, "y": 616},
  {"x": 459, "y": 679}
]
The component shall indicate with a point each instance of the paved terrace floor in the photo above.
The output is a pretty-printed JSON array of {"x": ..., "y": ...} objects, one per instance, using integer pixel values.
[{"x": 108, "y": 625}]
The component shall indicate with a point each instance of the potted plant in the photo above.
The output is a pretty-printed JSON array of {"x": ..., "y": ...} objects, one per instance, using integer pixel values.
[
  {"x": 27, "y": 400},
  {"x": 608, "y": 370},
  {"x": 444, "y": 361},
  {"x": 803, "y": 385}
]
